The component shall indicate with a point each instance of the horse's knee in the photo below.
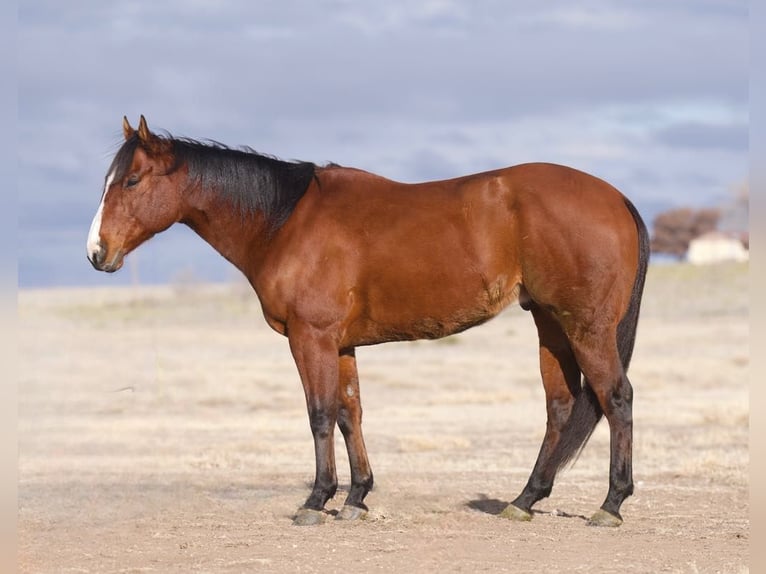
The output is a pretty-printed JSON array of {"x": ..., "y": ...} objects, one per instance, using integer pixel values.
[
  {"x": 349, "y": 418},
  {"x": 559, "y": 411},
  {"x": 322, "y": 421}
]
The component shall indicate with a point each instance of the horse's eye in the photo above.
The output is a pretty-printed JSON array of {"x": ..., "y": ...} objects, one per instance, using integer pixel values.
[{"x": 132, "y": 181}]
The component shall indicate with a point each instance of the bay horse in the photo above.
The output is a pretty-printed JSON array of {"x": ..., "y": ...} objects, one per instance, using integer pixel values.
[{"x": 341, "y": 258}]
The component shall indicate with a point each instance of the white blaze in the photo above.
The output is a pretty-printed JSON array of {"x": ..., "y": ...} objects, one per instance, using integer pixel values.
[{"x": 94, "y": 235}]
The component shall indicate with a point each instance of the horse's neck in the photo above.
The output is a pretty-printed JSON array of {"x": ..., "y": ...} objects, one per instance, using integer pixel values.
[{"x": 242, "y": 240}]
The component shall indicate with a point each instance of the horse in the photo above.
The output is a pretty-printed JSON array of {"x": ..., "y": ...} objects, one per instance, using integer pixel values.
[{"x": 341, "y": 258}]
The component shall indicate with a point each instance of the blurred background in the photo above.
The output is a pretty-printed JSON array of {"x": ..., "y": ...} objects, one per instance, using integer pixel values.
[{"x": 651, "y": 96}]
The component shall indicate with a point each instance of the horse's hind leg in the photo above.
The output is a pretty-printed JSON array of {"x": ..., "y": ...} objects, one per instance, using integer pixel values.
[
  {"x": 572, "y": 413},
  {"x": 350, "y": 423},
  {"x": 599, "y": 360}
]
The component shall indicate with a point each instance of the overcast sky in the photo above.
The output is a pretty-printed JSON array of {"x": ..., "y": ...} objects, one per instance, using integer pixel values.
[{"x": 651, "y": 96}]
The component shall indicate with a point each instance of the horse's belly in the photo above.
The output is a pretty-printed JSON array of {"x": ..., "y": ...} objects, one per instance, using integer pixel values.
[{"x": 433, "y": 311}]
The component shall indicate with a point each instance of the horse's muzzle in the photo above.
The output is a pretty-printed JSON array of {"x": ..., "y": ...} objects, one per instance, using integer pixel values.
[{"x": 97, "y": 258}]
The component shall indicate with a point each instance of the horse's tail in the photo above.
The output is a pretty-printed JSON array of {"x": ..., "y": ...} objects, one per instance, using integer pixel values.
[
  {"x": 586, "y": 411},
  {"x": 626, "y": 330}
]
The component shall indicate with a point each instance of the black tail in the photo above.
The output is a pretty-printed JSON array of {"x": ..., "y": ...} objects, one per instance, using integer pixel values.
[
  {"x": 626, "y": 330},
  {"x": 586, "y": 411}
]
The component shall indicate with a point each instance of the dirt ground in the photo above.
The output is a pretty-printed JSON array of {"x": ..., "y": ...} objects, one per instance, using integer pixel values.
[{"x": 163, "y": 429}]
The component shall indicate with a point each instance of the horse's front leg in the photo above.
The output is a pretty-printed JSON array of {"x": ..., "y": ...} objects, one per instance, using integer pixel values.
[
  {"x": 316, "y": 356},
  {"x": 350, "y": 424}
]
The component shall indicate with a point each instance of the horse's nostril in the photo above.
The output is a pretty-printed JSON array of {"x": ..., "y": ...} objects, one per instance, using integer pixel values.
[{"x": 96, "y": 258}]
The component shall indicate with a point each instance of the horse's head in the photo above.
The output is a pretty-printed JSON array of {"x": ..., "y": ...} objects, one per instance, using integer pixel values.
[{"x": 141, "y": 197}]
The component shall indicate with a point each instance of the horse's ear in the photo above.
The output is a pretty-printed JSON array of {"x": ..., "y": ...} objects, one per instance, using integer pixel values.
[
  {"x": 149, "y": 141},
  {"x": 127, "y": 130},
  {"x": 143, "y": 131}
]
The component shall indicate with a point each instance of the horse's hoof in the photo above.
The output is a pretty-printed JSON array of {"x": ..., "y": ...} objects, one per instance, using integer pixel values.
[
  {"x": 604, "y": 518},
  {"x": 349, "y": 512},
  {"x": 512, "y": 512},
  {"x": 309, "y": 517}
]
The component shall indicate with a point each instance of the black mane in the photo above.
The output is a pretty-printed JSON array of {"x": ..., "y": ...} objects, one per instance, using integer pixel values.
[{"x": 251, "y": 181}]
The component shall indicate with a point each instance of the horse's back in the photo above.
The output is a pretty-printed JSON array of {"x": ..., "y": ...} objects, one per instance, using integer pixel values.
[{"x": 514, "y": 215}]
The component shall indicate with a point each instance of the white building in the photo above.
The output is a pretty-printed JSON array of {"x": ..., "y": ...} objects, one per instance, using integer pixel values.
[{"x": 716, "y": 247}]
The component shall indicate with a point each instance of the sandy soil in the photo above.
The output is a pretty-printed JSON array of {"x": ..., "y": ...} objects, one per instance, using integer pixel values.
[{"x": 164, "y": 430}]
